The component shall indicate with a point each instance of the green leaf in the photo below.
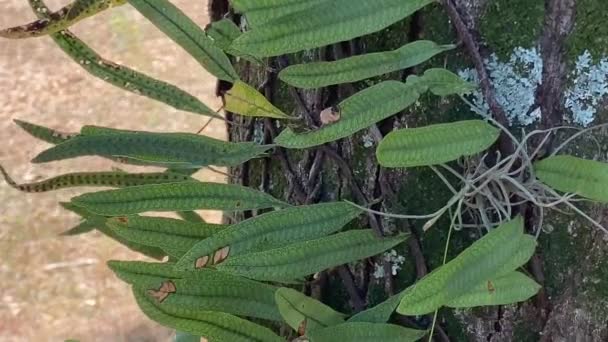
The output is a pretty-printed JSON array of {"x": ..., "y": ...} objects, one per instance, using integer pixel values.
[
  {"x": 43, "y": 133},
  {"x": 175, "y": 150},
  {"x": 175, "y": 197},
  {"x": 175, "y": 237},
  {"x": 224, "y": 32},
  {"x": 146, "y": 274},
  {"x": 204, "y": 290},
  {"x": 81, "y": 228},
  {"x": 356, "y": 113},
  {"x": 191, "y": 216},
  {"x": 214, "y": 326},
  {"x": 181, "y": 29},
  {"x": 352, "y": 69},
  {"x": 366, "y": 332},
  {"x": 185, "y": 337},
  {"x": 484, "y": 260},
  {"x": 121, "y": 76},
  {"x": 380, "y": 313},
  {"x": 105, "y": 179},
  {"x": 275, "y": 229},
  {"x": 236, "y": 296},
  {"x": 325, "y": 23},
  {"x": 260, "y": 12},
  {"x": 442, "y": 82},
  {"x": 94, "y": 221},
  {"x": 244, "y": 100},
  {"x": 149, "y": 274},
  {"x": 511, "y": 288},
  {"x": 586, "y": 178},
  {"x": 303, "y": 313},
  {"x": 308, "y": 257},
  {"x": 61, "y": 19},
  {"x": 435, "y": 144},
  {"x": 89, "y": 221}
]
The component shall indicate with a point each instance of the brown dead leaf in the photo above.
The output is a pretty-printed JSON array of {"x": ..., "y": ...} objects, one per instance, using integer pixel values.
[
  {"x": 330, "y": 115},
  {"x": 221, "y": 255},
  {"x": 202, "y": 261}
]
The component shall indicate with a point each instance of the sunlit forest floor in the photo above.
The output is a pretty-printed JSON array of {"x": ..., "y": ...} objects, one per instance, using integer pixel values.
[{"x": 54, "y": 288}]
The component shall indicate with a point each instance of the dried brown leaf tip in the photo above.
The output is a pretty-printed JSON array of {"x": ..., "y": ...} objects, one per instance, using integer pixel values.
[
  {"x": 330, "y": 115},
  {"x": 166, "y": 288},
  {"x": 221, "y": 255},
  {"x": 302, "y": 328},
  {"x": 491, "y": 287},
  {"x": 201, "y": 262},
  {"x": 122, "y": 219}
]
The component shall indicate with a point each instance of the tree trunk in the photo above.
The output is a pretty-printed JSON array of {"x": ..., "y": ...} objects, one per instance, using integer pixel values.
[{"x": 570, "y": 262}]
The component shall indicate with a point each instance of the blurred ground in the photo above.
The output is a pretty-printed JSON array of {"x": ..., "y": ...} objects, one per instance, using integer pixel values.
[{"x": 54, "y": 288}]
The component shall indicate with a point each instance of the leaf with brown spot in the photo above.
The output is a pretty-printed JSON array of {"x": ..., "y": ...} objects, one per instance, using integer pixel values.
[
  {"x": 61, "y": 19},
  {"x": 166, "y": 288},
  {"x": 330, "y": 115},
  {"x": 303, "y": 313},
  {"x": 201, "y": 262},
  {"x": 491, "y": 287},
  {"x": 95, "y": 179},
  {"x": 221, "y": 255}
]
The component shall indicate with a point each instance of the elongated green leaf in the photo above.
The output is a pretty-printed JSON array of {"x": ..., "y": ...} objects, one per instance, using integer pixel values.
[
  {"x": 484, "y": 260},
  {"x": 303, "y": 313},
  {"x": 121, "y": 76},
  {"x": 508, "y": 289},
  {"x": 224, "y": 32},
  {"x": 214, "y": 326},
  {"x": 61, "y": 19},
  {"x": 105, "y": 179},
  {"x": 244, "y": 100},
  {"x": 56, "y": 137},
  {"x": 204, "y": 290},
  {"x": 357, "y": 112},
  {"x": 308, "y": 257},
  {"x": 435, "y": 144},
  {"x": 149, "y": 274},
  {"x": 175, "y": 197},
  {"x": 275, "y": 229},
  {"x": 380, "y": 313},
  {"x": 323, "y": 24},
  {"x": 442, "y": 82},
  {"x": 527, "y": 245},
  {"x": 237, "y": 296},
  {"x": 366, "y": 332},
  {"x": 352, "y": 69},
  {"x": 175, "y": 237},
  {"x": 181, "y": 29},
  {"x": 185, "y": 337},
  {"x": 89, "y": 221},
  {"x": 259, "y": 12},
  {"x": 81, "y": 228},
  {"x": 92, "y": 221},
  {"x": 43, "y": 133},
  {"x": 152, "y": 275},
  {"x": 175, "y": 150},
  {"x": 191, "y": 216},
  {"x": 583, "y": 177}
]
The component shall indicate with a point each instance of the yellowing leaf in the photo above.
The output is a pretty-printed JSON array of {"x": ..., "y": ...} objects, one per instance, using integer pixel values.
[{"x": 244, "y": 100}]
